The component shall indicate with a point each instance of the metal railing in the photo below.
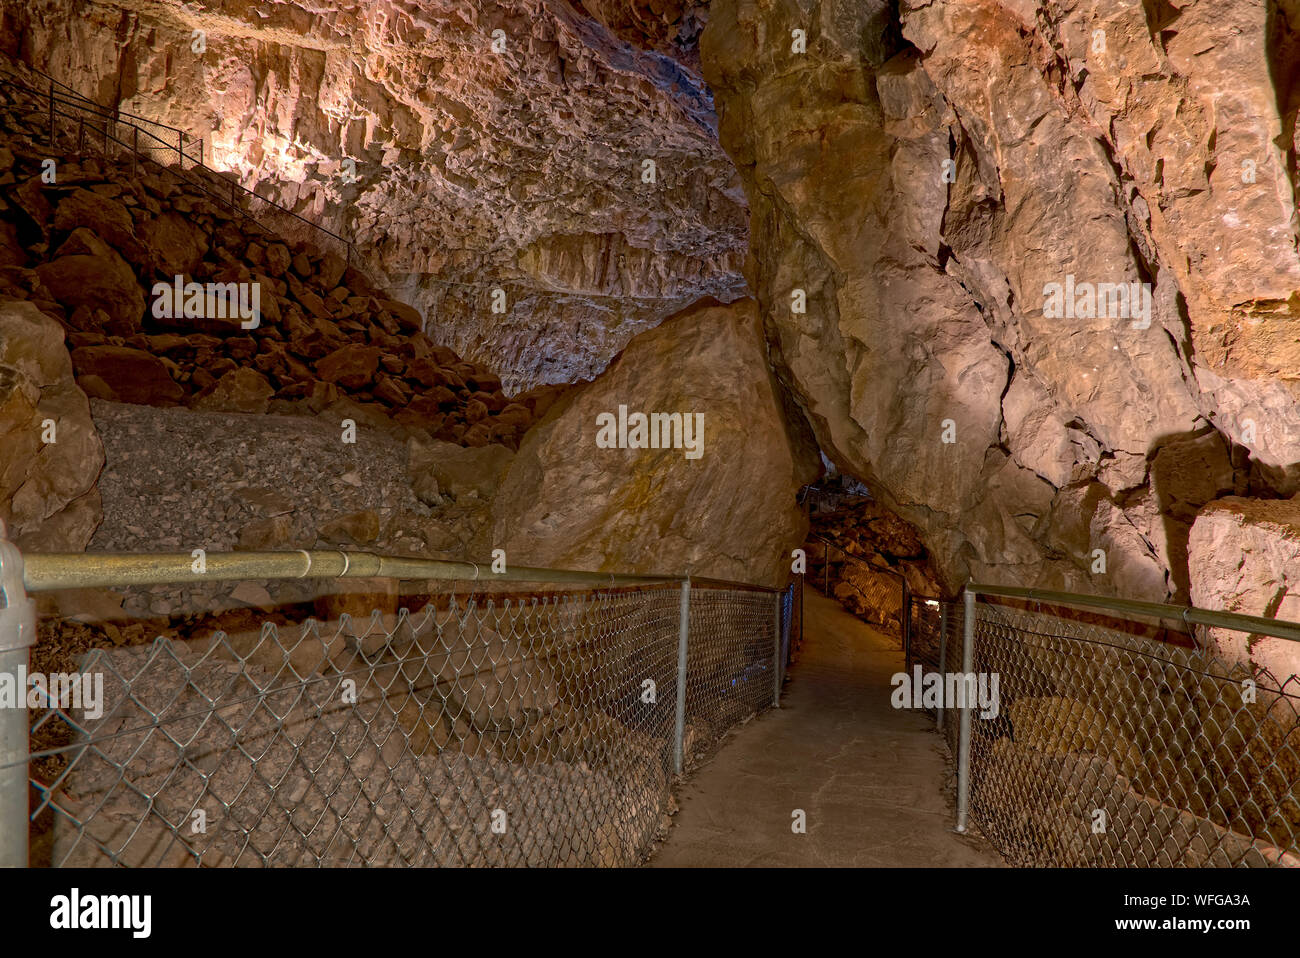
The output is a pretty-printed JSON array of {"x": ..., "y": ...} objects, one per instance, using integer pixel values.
[
  {"x": 820, "y": 499},
  {"x": 73, "y": 117},
  {"x": 468, "y": 727},
  {"x": 879, "y": 596},
  {"x": 1115, "y": 735}
]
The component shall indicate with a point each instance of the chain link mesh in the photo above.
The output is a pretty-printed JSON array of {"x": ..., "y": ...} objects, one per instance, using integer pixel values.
[
  {"x": 1117, "y": 749},
  {"x": 729, "y": 663},
  {"x": 472, "y": 731}
]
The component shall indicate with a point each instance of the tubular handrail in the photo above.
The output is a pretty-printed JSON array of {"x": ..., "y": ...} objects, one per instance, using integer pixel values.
[
  {"x": 859, "y": 560},
  {"x": 79, "y": 101},
  {"x": 1189, "y": 615},
  {"x": 68, "y": 90},
  {"x": 47, "y": 572}
]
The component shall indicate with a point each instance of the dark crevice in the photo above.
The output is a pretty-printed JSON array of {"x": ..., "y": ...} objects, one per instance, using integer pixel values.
[{"x": 1282, "y": 46}]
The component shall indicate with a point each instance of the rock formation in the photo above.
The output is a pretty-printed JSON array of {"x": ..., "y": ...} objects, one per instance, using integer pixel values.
[
  {"x": 568, "y": 502},
  {"x": 872, "y": 551},
  {"x": 1244, "y": 556},
  {"x": 919, "y": 181},
  {"x": 609, "y": 275},
  {"x": 51, "y": 452},
  {"x": 463, "y": 148}
]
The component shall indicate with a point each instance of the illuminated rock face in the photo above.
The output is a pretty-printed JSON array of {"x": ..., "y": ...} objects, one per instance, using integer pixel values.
[
  {"x": 456, "y": 168},
  {"x": 1245, "y": 557},
  {"x": 589, "y": 490},
  {"x": 53, "y": 453},
  {"x": 1027, "y": 268},
  {"x": 948, "y": 186}
]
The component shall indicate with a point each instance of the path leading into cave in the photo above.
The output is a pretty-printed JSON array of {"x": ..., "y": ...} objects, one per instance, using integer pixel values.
[{"x": 869, "y": 776}]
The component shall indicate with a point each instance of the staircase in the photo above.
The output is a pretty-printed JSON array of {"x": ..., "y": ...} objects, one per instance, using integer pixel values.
[{"x": 66, "y": 116}]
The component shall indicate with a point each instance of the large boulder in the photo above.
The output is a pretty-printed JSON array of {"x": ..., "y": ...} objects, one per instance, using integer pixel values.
[
  {"x": 87, "y": 272},
  {"x": 131, "y": 375},
  {"x": 178, "y": 242},
  {"x": 1244, "y": 556},
  {"x": 725, "y": 510},
  {"x": 436, "y": 467},
  {"x": 106, "y": 217},
  {"x": 48, "y": 498},
  {"x": 351, "y": 366},
  {"x": 240, "y": 390}
]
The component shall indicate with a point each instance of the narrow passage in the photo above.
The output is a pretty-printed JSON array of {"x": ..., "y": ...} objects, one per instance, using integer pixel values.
[{"x": 869, "y": 777}]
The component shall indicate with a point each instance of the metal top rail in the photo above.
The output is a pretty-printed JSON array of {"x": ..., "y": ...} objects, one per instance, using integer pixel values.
[
  {"x": 47, "y": 572},
  {"x": 65, "y": 94},
  {"x": 861, "y": 561},
  {"x": 1158, "y": 610}
]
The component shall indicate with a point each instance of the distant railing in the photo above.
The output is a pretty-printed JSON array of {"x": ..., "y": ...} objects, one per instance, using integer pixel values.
[
  {"x": 1085, "y": 739},
  {"x": 884, "y": 599},
  {"x": 153, "y": 142},
  {"x": 823, "y": 499}
]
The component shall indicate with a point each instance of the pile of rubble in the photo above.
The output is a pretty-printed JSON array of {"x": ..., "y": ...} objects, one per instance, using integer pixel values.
[{"x": 92, "y": 246}]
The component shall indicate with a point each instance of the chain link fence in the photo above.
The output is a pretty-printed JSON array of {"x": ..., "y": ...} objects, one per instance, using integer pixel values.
[
  {"x": 732, "y": 662},
  {"x": 1114, "y": 740},
  {"x": 539, "y": 728}
]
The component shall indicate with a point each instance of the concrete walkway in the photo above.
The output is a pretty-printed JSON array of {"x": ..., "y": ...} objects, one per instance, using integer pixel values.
[{"x": 868, "y": 776}]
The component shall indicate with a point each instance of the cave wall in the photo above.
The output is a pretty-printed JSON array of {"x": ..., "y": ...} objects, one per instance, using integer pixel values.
[
  {"x": 474, "y": 170},
  {"x": 915, "y": 178},
  {"x": 922, "y": 172}
]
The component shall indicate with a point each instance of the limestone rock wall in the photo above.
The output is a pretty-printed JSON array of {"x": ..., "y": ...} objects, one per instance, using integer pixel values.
[
  {"x": 1245, "y": 557},
  {"x": 924, "y": 170}
]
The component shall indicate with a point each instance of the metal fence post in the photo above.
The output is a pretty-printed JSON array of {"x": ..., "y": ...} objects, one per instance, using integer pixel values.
[
  {"x": 776, "y": 651},
  {"x": 826, "y": 568},
  {"x": 787, "y": 629},
  {"x": 906, "y": 625},
  {"x": 943, "y": 660},
  {"x": 17, "y": 635},
  {"x": 963, "y": 738},
  {"x": 683, "y": 630}
]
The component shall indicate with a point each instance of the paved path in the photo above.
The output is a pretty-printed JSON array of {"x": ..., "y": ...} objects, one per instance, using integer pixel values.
[{"x": 868, "y": 776}]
